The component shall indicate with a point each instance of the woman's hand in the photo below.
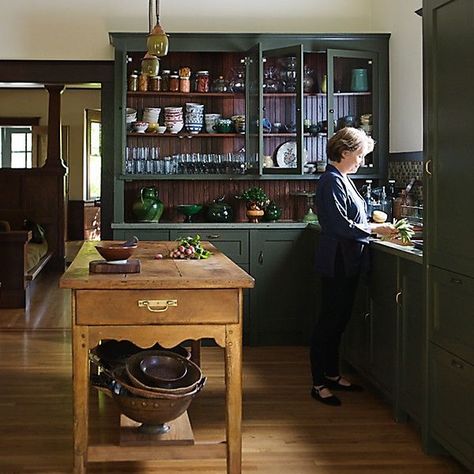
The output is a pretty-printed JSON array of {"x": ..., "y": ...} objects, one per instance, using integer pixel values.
[{"x": 385, "y": 229}]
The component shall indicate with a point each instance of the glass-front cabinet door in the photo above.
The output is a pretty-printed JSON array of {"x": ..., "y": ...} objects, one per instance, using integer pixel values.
[
  {"x": 281, "y": 128},
  {"x": 351, "y": 82}
]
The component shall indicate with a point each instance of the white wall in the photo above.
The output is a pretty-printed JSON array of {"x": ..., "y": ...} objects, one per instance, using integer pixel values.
[
  {"x": 66, "y": 29},
  {"x": 406, "y": 70}
]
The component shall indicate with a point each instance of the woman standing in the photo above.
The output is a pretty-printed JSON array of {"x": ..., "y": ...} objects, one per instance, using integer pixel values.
[{"x": 341, "y": 257}]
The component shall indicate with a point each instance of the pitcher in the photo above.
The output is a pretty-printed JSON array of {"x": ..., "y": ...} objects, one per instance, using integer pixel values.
[{"x": 148, "y": 207}]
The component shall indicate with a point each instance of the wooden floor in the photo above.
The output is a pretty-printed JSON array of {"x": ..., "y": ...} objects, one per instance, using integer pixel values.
[{"x": 284, "y": 430}]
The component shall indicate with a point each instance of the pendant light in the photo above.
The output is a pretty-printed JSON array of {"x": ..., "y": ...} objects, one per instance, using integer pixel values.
[
  {"x": 150, "y": 64},
  {"x": 157, "y": 41}
]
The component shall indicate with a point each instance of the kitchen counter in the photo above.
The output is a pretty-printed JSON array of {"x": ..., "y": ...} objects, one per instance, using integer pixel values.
[{"x": 210, "y": 225}]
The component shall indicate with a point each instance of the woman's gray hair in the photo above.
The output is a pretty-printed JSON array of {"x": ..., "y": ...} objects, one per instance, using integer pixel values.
[{"x": 350, "y": 139}]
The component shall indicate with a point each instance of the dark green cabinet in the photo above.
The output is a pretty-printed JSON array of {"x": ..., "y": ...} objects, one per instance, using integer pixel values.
[
  {"x": 448, "y": 52},
  {"x": 282, "y": 304},
  {"x": 142, "y": 234},
  {"x": 383, "y": 290},
  {"x": 412, "y": 359}
]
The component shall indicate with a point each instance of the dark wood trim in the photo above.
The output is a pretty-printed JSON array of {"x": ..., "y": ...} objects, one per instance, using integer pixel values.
[
  {"x": 54, "y": 158},
  {"x": 406, "y": 156},
  {"x": 11, "y": 121},
  {"x": 56, "y": 72}
]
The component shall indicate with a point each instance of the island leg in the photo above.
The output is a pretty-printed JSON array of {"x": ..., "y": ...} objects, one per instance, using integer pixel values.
[
  {"x": 233, "y": 379},
  {"x": 80, "y": 357}
]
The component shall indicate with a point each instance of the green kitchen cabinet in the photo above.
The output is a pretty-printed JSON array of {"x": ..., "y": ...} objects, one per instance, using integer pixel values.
[
  {"x": 412, "y": 334},
  {"x": 383, "y": 289},
  {"x": 448, "y": 53},
  {"x": 142, "y": 234},
  {"x": 356, "y": 339},
  {"x": 282, "y": 304},
  {"x": 232, "y": 242}
]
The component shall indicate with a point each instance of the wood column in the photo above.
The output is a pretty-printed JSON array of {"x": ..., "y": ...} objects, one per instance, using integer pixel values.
[{"x": 54, "y": 158}]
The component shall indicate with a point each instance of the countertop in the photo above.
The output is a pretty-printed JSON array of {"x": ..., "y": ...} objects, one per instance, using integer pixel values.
[{"x": 210, "y": 225}]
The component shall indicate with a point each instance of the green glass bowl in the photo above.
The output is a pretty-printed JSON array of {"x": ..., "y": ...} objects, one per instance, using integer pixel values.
[{"x": 189, "y": 210}]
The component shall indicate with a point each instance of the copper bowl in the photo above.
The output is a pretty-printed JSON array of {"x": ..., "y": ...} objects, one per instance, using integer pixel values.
[
  {"x": 115, "y": 252},
  {"x": 163, "y": 369},
  {"x": 154, "y": 413},
  {"x": 138, "y": 379}
]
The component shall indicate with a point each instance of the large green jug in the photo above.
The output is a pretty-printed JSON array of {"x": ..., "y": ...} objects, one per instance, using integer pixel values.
[{"x": 148, "y": 207}]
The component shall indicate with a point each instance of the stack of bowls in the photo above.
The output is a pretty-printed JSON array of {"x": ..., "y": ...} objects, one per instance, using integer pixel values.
[
  {"x": 154, "y": 387},
  {"x": 194, "y": 117},
  {"x": 130, "y": 117},
  {"x": 174, "y": 119},
  {"x": 210, "y": 121},
  {"x": 151, "y": 114},
  {"x": 239, "y": 123}
]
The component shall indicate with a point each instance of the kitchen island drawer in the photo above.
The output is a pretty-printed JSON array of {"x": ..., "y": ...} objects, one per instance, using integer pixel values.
[
  {"x": 451, "y": 312},
  {"x": 233, "y": 243},
  {"x": 137, "y": 307}
]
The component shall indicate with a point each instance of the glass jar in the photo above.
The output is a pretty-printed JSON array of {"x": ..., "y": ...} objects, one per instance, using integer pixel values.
[
  {"x": 219, "y": 85},
  {"x": 174, "y": 83},
  {"x": 155, "y": 83},
  {"x": 143, "y": 82},
  {"x": 165, "y": 80},
  {"x": 184, "y": 84},
  {"x": 133, "y": 81},
  {"x": 202, "y": 81}
]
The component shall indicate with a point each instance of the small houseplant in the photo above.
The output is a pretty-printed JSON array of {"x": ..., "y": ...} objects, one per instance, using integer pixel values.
[{"x": 256, "y": 200}]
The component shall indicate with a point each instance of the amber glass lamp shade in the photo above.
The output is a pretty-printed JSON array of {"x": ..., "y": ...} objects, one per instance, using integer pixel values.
[
  {"x": 150, "y": 65},
  {"x": 157, "y": 41}
]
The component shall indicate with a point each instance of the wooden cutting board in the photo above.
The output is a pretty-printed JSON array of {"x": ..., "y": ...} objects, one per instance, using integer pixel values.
[{"x": 102, "y": 266}]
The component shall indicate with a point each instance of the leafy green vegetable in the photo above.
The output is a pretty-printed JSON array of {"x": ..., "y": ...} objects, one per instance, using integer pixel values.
[
  {"x": 190, "y": 247},
  {"x": 405, "y": 230}
]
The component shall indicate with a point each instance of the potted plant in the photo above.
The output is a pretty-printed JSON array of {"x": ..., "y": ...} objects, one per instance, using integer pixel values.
[{"x": 256, "y": 200}]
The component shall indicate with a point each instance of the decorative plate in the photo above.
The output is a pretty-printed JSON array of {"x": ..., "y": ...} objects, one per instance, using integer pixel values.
[{"x": 286, "y": 156}]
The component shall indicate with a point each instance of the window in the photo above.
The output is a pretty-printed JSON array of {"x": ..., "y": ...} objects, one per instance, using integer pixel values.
[
  {"x": 93, "y": 154},
  {"x": 16, "y": 147}
]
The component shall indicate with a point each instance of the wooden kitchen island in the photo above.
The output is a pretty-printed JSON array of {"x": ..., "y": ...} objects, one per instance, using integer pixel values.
[{"x": 168, "y": 302}]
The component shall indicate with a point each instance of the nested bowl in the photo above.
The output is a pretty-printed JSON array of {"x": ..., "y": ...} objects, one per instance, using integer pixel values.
[
  {"x": 115, "y": 252},
  {"x": 192, "y": 377},
  {"x": 163, "y": 370},
  {"x": 151, "y": 411}
]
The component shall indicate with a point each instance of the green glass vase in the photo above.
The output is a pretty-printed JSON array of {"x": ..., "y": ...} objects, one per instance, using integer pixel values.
[{"x": 148, "y": 207}]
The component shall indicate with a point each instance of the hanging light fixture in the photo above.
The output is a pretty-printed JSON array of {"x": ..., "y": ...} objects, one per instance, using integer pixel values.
[
  {"x": 157, "y": 41},
  {"x": 150, "y": 64}
]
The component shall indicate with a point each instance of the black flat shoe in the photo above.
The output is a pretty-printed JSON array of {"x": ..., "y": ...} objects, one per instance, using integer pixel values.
[
  {"x": 335, "y": 385},
  {"x": 332, "y": 400}
]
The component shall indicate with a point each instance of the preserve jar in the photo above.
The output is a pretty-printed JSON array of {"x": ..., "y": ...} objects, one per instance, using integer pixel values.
[
  {"x": 155, "y": 83},
  {"x": 202, "y": 81},
  {"x": 143, "y": 82},
  {"x": 184, "y": 84},
  {"x": 133, "y": 81},
  {"x": 174, "y": 83},
  {"x": 165, "y": 80}
]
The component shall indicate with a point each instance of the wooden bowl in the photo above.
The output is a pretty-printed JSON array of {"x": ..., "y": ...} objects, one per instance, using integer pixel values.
[
  {"x": 162, "y": 370},
  {"x": 114, "y": 252}
]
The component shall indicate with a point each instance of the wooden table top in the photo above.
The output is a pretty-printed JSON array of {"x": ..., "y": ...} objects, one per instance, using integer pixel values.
[{"x": 218, "y": 271}]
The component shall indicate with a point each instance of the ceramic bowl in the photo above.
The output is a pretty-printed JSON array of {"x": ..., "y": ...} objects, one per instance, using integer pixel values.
[
  {"x": 161, "y": 129},
  {"x": 114, "y": 253},
  {"x": 140, "y": 127},
  {"x": 174, "y": 127}
]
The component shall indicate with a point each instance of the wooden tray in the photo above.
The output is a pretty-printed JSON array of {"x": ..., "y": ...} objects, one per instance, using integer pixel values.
[{"x": 102, "y": 266}]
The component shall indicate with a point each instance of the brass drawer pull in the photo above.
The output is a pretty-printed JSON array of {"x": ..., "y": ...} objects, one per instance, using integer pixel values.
[
  {"x": 157, "y": 306},
  {"x": 213, "y": 236}
]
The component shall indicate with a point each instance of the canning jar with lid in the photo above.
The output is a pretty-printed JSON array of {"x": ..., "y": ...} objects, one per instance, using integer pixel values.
[
  {"x": 174, "y": 83},
  {"x": 154, "y": 83},
  {"x": 202, "y": 81},
  {"x": 165, "y": 80},
  {"x": 133, "y": 81}
]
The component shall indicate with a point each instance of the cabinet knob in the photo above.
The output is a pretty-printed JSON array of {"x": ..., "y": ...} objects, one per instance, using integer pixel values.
[
  {"x": 331, "y": 111},
  {"x": 456, "y": 281},
  {"x": 213, "y": 236},
  {"x": 260, "y": 257},
  {"x": 427, "y": 168},
  {"x": 397, "y": 297},
  {"x": 366, "y": 315}
]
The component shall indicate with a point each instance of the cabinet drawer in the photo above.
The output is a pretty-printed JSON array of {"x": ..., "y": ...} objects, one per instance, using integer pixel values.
[
  {"x": 142, "y": 234},
  {"x": 117, "y": 307},
  {"x": 451, "y": 407},
  {"x": 233, "y": 243},
  {"x": 451, "y": 310}
]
